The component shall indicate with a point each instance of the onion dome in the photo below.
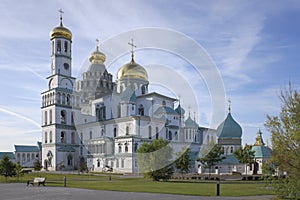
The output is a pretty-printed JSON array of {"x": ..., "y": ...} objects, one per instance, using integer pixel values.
[
  {"x": 165, "y": 110},
  {"x": 229, "y": 128},
  {"x": 61, "y": 31},
  {"x": 97, "y": 57},
  {"x": 180, "y": 110},
  {"x": 259, "y": 148},
  {"x": 132, "y": 69}
]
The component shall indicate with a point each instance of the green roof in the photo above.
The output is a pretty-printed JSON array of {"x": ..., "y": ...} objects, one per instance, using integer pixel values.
[
  {"x": 66, "y": 149},
  {"x": 25, "y": 148},
  {"x": 166, "y": 110},
  {"x": 128, "y": 95},
  {"x": 11, "y": 155},
  {"x": 262, "y": 151},
  {"x": 230, "y": 160},
  {"x": 180, "y": 110},
  {"x": 229, "y": 128},
  {"x": 190, "y": 123}
]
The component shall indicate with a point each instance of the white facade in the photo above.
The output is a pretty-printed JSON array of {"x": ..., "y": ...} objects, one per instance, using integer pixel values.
[{"x": 103, "y": 122}]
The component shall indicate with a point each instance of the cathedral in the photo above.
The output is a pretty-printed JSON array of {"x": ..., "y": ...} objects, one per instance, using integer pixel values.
[{"x": 101, "y": 122}]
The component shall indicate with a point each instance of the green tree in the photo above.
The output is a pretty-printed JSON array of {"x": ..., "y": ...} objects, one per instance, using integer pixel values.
[
  {"x": 154, "y": 159},
  {"x": 82, "y": 165},
  {"x": 37, "y": 165},
  {"x": 245, "y": 155},
  {"x": 19, "y": 171},
  {"x": 182, "y": 163},
  {"x": 212, "y": 154},
  {"x": 285, "y": 130},
  {"x": 7, "y": 168}
]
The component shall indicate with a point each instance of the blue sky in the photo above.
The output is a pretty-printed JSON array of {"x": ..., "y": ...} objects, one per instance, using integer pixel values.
[{"x": 254, "y": 45}]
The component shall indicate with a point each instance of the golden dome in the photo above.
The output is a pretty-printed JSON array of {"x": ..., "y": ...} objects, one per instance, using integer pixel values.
[
  {"x": 97, "y": 57},
  {"x": 132, "y": 70},
  {"x": 60, "y": 31}
]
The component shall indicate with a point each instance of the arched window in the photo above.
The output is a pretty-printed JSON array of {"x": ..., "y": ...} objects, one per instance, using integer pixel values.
[
  {"x": 150, "y": 132},
  {"x": 63, "y": 117},
  {"x": 72, "y": 118},
  {"x": 122, "y": 163},
  {"x": 170, "y": 135},
  {"x": 58, "y": 98},
  {"x": 91, "y": 134},
  {"x": 143, "y": 89},
  {"x": 62, "y": 137},
  {"x": 28, "y": 157},
  {"x": 126, "y": 147},
  {"x": 50, "y": 137},
  {"x": 46, "y": 137},
  {"x": 176, "y": 135},
  {"x": 70, "y": 160},
  {"x": 46, "y": 117},
  {"x": 98, "y": 163},
  {"x": 50, "y": 117},
  {"x": 66, "y": 46},
  {"x": 58, "y": 46},
  {"x": 73, "y": 138},
  {"x": 68, "y": 100},
  {"x": 156, "y": 133},
  {"x": 127, "y": 130},
  {"x": 136, "y": 147},
  {"x": 141, "y": 109},
  {"x": 63, "y": 98},
  {"x": 102, "y": 132},
  {"x": 115, "y": 132},
  {"x": 120, "y": 147},
  {"x": 231, "y": 149}
]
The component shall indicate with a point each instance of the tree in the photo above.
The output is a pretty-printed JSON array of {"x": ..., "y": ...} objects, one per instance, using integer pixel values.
[
  {"x": 154, "y": 159},
  {"x": 245, "y": 155},
  {"x": 37, "y": 165},
  {"x": 7, "y": 168},
  {"x": 182, "y": 163},
  {"x": 285, "y": 130},
  {"x": 82, "y": 165},
  {"x": 19, "y": 171},
  {"x": 211, "y": 156}
]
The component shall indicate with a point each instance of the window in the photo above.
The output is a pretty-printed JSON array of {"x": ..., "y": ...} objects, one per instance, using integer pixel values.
[
  {"x": 126, "y": 147},
  {"x": 46, "y": 117},
  {"x": 102, "y": 132},
  {"x": 72, "y": 118},
  {"x": 50, "y": 116},
  {"x": 157, "y": 133},
  {"x": 73, "y": 138},
  {"x": 170, "y": 135},
  {"x": 68, "y": 100},
  {"x": 120, "y": 147},
  {"x": 98, "y": 163},
  {"x": 136, "y": 145},
  {"x": 143, "y": 89},
  {"x": 62, "y": 137},
  {"x": 141, "y": 110},
  {"x": 127, "y": 130},
  {"x": 63, "y": 98},
  {"x": 46, "y": 137},
  {"x": 81, "y": 137},
  {"x": 231, "y": 149},
  {"x": 58, "y": 46},
  {"x": 176, "y": 135},
  {"x": 150, "y": 132},
  {"x": 91, "y": 134},
  {"x": 66, "y": 46},
  {"x": 115, "y": 132},
  {"x": 50, "y": 137},
  {"x": 117, "y": 163},
  {"x": 70, "y": 160},
  {"x": 63, "y": 117},
  {"x": 52, "y": 47},
  {"x": 122, "y": 163}
]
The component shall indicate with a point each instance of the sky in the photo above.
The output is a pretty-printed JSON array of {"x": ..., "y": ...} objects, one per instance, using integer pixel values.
[{"x": 252, "y": 47}]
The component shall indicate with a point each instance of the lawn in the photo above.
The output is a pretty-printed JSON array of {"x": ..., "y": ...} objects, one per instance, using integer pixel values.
[{"x": 119, "y": 183}]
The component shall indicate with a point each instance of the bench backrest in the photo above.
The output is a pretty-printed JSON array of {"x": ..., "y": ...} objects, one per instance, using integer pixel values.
[{"x": 36, "y": 180}]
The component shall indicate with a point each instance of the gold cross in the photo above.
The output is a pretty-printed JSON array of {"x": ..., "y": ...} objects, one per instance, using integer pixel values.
[
  {"x": 132, "y": 45},
  {"x": 229, "y": 105},
  {"x": 97, "y": 44},
  {"x": 61, "y": 12}
]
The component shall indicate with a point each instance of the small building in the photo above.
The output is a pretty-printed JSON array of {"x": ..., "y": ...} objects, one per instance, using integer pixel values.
[{"x": 26, "y": 155}]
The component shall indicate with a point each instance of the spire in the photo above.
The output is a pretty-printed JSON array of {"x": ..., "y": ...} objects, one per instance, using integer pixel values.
[
  {"x": 132, "y": 50},
  {"x": 61, "y": 18},
  {"x": 229, "y": 105},
  {"x": 189, "y": 111},
  {"x": 258, "y": 140}
]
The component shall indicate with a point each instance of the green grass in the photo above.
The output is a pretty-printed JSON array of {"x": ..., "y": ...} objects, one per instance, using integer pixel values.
[{"x": 191, "y": 187}]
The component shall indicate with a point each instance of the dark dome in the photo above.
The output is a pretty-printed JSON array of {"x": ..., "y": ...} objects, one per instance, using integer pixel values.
[{"x": 229, "y": 128}]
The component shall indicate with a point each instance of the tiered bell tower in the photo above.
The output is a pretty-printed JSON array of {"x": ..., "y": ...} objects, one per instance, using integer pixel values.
[{"x": 59, "y": 138}]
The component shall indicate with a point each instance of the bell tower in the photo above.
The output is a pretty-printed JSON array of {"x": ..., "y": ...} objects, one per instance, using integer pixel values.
[{"x": 59, "y": 138}]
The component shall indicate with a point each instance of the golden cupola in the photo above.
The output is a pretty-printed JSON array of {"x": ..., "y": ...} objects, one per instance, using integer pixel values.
[
  {"x": 97, "y": 57},
  {"x": 61, "y": 31},
  {"x": 132, "y": 70}
]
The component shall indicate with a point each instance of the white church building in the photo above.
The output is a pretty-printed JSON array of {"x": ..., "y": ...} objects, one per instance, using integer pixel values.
[{"x": 103, "y": 122}]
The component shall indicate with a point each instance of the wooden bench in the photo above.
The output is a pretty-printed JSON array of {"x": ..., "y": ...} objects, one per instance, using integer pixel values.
[{"x": 37, "y": 180}]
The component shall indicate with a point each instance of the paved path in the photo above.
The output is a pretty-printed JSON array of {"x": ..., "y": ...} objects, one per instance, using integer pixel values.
[{"x": 22, "y": 192}]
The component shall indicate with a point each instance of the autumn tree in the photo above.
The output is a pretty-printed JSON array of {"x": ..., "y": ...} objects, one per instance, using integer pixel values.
[
  {"x": 245, "y": 155},
  {"x": 285, "y": 130},
  {"x": 154, "y": 159},
  {"x": 182, "y": 163}
]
